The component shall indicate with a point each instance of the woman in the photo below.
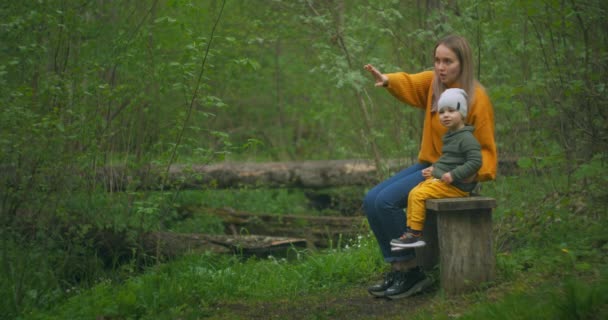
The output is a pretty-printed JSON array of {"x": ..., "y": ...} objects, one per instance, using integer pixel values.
[{"x": 384, "y": 203}]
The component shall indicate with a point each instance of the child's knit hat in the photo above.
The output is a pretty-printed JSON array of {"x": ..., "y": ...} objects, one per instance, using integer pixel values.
[{"x": 454, "y": 98}]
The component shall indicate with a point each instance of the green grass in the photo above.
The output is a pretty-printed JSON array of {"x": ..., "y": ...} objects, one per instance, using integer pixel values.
[
  {"x": 190, "y": 286},
  {"x": 534, "y": 283},
  {"x": 551, "y": 264},
  {"x": 271, "y": 201},
  {"x": 571, "y": 297},
  {"x": 546, "y": 281}
]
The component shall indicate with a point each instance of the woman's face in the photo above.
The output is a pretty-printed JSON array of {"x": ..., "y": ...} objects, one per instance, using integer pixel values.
[{"x": 447, "y": 65}]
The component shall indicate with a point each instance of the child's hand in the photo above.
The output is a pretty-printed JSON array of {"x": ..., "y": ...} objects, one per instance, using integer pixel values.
[
  {"x": 447, "y": 178},
  {"x": 427, "y": 172},
  {"x": 381, "y": 79}
]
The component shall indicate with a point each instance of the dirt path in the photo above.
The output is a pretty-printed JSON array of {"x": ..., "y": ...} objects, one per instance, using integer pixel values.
[{"x": 352, "y": 303}]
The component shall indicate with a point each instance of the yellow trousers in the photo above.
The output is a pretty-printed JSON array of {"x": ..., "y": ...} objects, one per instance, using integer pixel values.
[{"x": 428, "y": 189}]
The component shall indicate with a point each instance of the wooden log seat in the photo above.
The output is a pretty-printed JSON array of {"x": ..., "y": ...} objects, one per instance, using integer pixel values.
[{"x": 458, "y": 233}]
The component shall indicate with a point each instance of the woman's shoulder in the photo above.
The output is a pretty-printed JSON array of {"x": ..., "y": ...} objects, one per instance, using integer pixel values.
[
  {"x": 480, "y": 89},
  {"x": 481, "y": 95}
]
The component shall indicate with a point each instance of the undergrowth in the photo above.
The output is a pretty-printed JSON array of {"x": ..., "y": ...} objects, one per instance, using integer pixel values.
[
  {"x": 551, "y": 250},
  {"x": 190, "y": 286}
]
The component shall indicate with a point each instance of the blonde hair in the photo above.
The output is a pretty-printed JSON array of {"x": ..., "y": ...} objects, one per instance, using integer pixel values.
[{"x": 466, "y": 80}]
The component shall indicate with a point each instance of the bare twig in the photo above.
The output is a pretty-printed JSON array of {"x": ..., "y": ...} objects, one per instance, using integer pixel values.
[{"x": 195, "y": 93}]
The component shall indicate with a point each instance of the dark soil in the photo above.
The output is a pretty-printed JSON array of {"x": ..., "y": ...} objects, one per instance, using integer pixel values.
[{"x": 352, "y": 303}]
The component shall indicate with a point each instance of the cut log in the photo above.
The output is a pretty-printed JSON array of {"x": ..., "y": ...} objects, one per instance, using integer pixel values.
[
  {"x": 459, "y": 238},
  {"x": 320, "y": 231}
]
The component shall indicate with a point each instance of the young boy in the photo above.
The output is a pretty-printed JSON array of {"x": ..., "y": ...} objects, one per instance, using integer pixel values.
[{"x": 447, "y": 178}]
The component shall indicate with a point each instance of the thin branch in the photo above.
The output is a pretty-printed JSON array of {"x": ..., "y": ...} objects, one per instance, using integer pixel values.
[
  {"x": 195, "y": 93},
  {"x": 109, "y": 116},
  {"x": 313, "y": 8}
]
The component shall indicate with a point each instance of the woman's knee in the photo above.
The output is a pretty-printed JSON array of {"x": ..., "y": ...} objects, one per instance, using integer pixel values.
[
  {"x": 387, "y": 204},
  {"x": 378, "y": 204},
  {"x": 369, "y": 202}
]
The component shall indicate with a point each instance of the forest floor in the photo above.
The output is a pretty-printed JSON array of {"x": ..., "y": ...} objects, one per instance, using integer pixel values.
[
  {"x": 350, "y": 303},
  {"x": 345, "y": 304}
]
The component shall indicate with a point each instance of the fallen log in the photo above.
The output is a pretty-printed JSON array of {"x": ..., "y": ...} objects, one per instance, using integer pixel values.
[
  {"x": 320, "y": 231},
  {"x": 247, "y": 234},
  {"x": 169, "y": 244},
  {"x": 303, "y": 174}
]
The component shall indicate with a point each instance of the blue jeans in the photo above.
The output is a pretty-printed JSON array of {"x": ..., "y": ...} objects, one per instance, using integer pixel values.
[{"x": 384, "y": 206}]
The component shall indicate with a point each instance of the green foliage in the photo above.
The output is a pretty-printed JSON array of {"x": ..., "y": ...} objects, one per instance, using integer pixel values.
[
  {"x": 189, "y": 287},
  {"x": 89, "y": 87},
  {"x": 574, "y": 298},
  {"x": 538, "y": 251},
  {"x": 287, "y": 74},
  {"x": 199, "y": 224},
  {"x": 258, "y": 200},
  {"x": 581, "y": 300},
  {"x": 27, "y": 278}
]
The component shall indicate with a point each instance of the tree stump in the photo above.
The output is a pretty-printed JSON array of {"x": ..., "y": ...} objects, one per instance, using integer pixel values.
[{"x": 458, "y": 232}]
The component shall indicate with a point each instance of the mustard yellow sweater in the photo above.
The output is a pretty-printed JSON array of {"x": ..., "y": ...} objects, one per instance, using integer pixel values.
[{"x": 416, "y": 90}]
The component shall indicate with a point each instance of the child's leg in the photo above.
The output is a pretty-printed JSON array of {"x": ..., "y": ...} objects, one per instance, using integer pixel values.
[
  {"x": 412, "y": 238},
  {"x": 428, "y": 189},
  {"x": 416, "y": 211},
  {"x": 408, "y": 216}
]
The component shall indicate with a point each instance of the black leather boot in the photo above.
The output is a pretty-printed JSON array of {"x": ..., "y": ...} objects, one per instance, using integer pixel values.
[
  {"x": 379, "y": 289},
  {"x": 406, "y": 284}
]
